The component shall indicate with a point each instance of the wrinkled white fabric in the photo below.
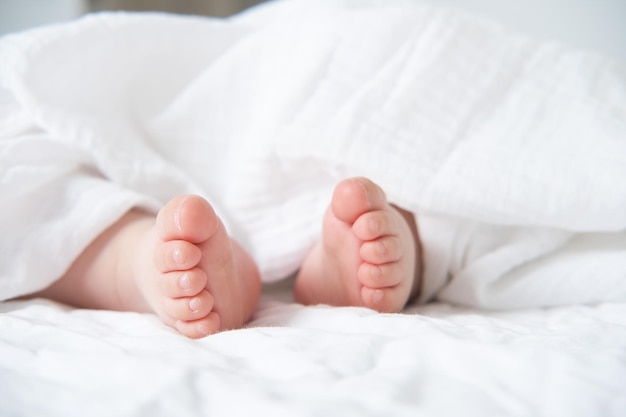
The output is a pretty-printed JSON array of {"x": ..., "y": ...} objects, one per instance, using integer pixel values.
[
  {"x": 512, "y": 153},
  {"x": 316, "y": 361}
]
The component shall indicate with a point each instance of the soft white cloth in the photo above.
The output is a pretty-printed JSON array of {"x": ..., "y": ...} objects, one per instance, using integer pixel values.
[
  {"x": 437, "y": 360},
  {"x": 511, "y": 152}
]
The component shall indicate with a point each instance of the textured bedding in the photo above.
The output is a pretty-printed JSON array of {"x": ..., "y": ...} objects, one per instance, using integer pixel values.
[
  {"x": 294, "y": 360},
  {"x": 511, "y": 152}
]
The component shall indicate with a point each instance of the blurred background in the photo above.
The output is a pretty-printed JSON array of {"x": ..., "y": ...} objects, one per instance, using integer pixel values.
[
  {"x": 201, "y": 7},
  {"x": 17, "y": 15},
  {"x": 598, "y": 25}
]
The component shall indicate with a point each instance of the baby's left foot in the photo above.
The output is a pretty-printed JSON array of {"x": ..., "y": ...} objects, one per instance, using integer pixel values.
[{"x": 368, "y": 255}]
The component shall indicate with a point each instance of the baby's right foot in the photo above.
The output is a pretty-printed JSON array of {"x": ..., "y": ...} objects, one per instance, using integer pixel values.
[
  {"x": 192, "y": 274},
  {"x": 369, "y": 254}
]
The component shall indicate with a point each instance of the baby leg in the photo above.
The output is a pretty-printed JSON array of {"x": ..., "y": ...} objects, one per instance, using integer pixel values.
[{"x": 182, "y": 266}]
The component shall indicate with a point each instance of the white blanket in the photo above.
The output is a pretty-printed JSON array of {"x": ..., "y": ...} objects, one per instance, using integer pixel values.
[{"x": 511, "y": 152}]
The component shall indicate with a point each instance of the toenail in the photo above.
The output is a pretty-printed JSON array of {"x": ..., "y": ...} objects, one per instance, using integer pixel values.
[
  {"x": 376, "y": 272},
  {"x": 178, "y": 256},
  {"x": 202, "y": 329},
  {"x": 381, "y": 248},
  {"x": 177, "y": 215},
  {"x": 194, "y": 304},
  {"x": 378, "y": 296},
  {"x": 374, "y": 225},
  {"x": 365, "y": 191},
  {"x": 184, "y": 281}
]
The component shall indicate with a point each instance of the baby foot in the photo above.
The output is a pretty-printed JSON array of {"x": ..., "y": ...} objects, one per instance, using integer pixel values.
[
  {"x": 198, "y": 280},
  {"x": 368, "y": 255}
]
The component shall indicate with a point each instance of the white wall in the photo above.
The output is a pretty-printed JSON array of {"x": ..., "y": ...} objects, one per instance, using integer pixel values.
[
  {"x": 598, "y": 25},
  {"x": 18, "y": 15}
]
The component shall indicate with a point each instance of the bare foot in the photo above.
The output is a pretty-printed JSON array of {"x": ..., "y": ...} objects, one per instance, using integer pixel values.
[
  {"x": 368, "y": 256},
  {"x": 192, "y": 274},
  {"x": 182, "y": 266}
]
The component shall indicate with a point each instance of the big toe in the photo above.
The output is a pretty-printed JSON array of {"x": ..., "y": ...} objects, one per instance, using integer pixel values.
[
  {"x": 356, "y": 196},
  {"x": 187, "y": 217}
]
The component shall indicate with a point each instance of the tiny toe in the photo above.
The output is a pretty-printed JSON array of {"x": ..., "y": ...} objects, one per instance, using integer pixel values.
[
  {"x": 374, "y": 224},
  {"x": 187, "y": 217},
  {"x": 384, "y": 300},
  {"x": 176, "y": 255},
  {"x": 196, "y": 329},
  {"x": 190, "y": 308},
  {"x": 383, "y": 250},
  {"x": 380, "y": 276},
  {"x": 183, "y": 283}
]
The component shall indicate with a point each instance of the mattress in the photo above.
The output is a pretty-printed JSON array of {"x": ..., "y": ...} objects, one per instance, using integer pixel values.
[{"x": 291, "y": 360}]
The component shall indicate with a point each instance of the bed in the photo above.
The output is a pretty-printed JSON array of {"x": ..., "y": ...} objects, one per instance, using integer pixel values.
[
  {"x": 293, "y": 360},
  {"x": 523, "y": 308}
]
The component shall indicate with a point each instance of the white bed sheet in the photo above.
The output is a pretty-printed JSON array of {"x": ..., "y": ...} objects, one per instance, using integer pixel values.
[{"x": 293, "y": 360}]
